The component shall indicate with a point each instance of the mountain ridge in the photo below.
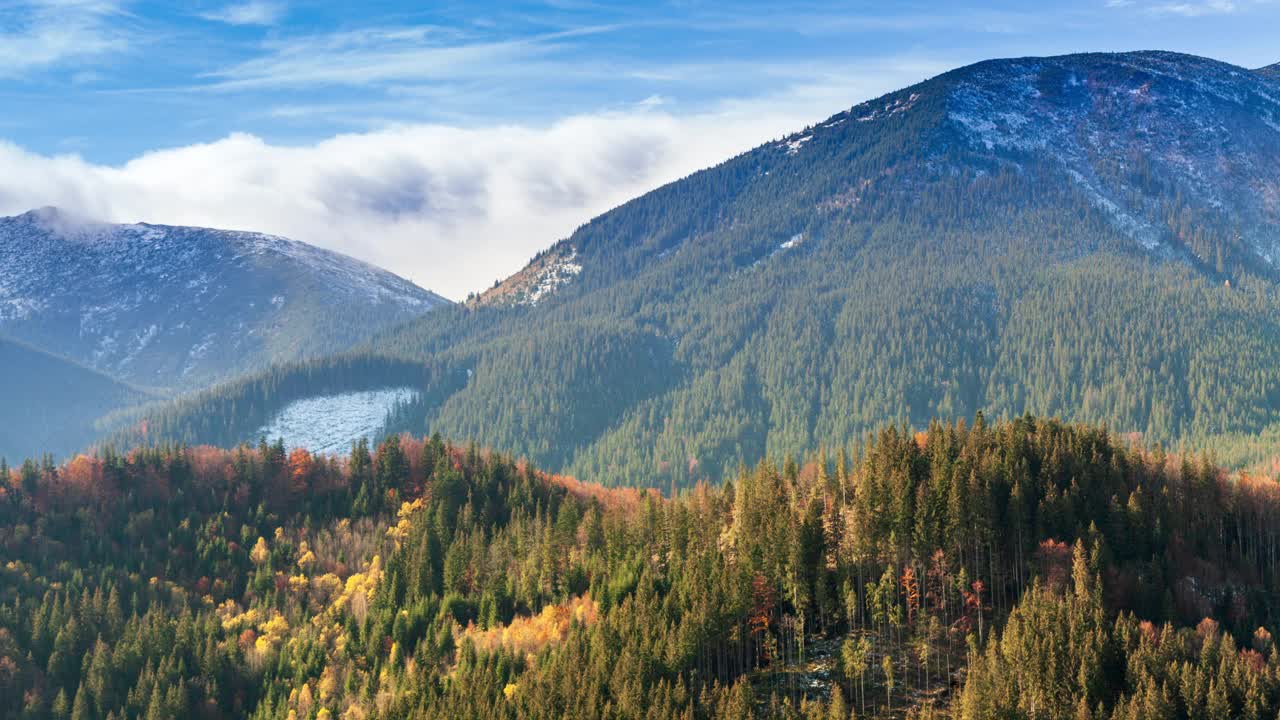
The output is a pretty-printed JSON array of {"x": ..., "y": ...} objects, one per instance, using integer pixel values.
[
  {"x": 170, "y": 306},
  {"x": 973, "y": 113}
]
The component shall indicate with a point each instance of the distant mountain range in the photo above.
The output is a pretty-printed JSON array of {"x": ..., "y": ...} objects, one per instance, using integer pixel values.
[
  {"x": 1093, "y": 236},
  {"x": 171, "y": 309}
]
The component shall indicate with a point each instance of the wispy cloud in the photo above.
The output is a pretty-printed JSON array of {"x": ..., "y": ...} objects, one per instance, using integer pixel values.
[
  {"x": 40, "y": 34},
  {"x": 387, "y": 54},
  {"x": 890, "y": 19},
  {"x": 1197, "y": 9},
  {"x": 1190, "y": 8},
  {"x": 254, "y": 12}
]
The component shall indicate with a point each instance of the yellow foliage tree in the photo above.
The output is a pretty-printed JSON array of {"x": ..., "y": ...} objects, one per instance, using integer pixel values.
[{"x": 260, "y": 554}]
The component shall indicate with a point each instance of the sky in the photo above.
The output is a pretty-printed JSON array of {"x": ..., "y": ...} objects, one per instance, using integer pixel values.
[{"x": 451, "y": 141}]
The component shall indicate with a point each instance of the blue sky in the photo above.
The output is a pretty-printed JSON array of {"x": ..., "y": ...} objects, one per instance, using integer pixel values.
[{"x": 516, "y": 120}]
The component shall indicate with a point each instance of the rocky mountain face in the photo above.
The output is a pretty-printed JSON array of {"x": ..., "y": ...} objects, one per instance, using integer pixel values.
[
  {"x": 179, "y": 307},
  {"x": 537, "y": 280}
]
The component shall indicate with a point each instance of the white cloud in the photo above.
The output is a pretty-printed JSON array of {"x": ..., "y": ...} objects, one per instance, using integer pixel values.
[
  {"x": 254, "y": 12},
  {"x": 450, "y": 208},
  {"x": 39, "y": 34}
]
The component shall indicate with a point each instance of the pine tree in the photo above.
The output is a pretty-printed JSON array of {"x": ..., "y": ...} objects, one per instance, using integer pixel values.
[
  {"x": 80, "y": 709},
  {"x": 61, "y": 709}
]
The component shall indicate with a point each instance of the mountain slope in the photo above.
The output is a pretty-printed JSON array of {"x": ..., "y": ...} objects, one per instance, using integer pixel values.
[
  {"x": 179, "y": 307},
  {"x": 1093, "y": 236},
  {"x": 50, "y": 404}
]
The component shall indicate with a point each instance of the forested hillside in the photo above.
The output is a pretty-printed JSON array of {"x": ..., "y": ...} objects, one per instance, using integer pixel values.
[
  {"x": 1088, "y": 236},
  {"x": 229, "y": 414},
  {"x": 51, "y": 404},
  {"x": 1022, "y": 569}
]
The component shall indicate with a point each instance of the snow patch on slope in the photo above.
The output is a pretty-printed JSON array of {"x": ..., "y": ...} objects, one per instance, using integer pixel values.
[
  {"x": 793, "y": 146},
  {"x": 1206, "y": 127},
  {"x": 551, "y": 278},
  {"x": 329, "y": 424},
  {"x": 790, "y": 244},
  {"x": 891, "y": 108}
]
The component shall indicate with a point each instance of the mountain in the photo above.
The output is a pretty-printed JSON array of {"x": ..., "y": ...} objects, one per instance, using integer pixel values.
[
  {"x": 1131, "y": 133},
  {"x": 179, "y": 307},
  {"x": 1090, "y": 236},
  {"x": 1271, "y": 71},
  {"x": 51, "y": 404}
]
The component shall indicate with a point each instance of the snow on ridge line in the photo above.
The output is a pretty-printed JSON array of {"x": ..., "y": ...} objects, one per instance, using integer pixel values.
[
  {"x": 329, "y": 424},
  {"x": 176, "y": 249}
]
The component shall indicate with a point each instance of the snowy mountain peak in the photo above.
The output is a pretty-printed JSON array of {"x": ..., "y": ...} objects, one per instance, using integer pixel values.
[
  {"x": 1131, "y": 131},
  {"x": 59, "y": 222},
  {"x": 161, "y": 305},
  {"x": 46, "y": 214}
]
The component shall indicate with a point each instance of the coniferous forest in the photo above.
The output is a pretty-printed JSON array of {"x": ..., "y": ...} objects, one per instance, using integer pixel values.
[{"x": 1020, "y": 569}]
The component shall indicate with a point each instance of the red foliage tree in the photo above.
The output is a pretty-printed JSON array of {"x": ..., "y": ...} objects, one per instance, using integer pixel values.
[
  {"x": 763, "y": 601},
  {"x": 911, "y": 588},
  {"x": 301, "y": 466}
]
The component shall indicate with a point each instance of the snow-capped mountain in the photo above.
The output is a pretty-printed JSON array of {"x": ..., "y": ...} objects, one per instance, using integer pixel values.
[
  {"x": 165, "y": 306},
  {"x": 1181, "y": 152}
]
